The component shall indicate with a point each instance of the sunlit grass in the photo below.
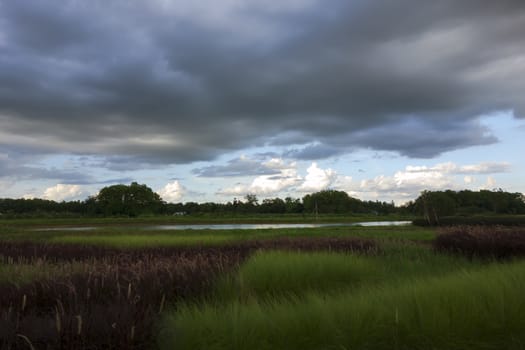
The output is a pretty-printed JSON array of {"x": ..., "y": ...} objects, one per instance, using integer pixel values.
[
  {"x": 467, "y": 309},
  {"x": 274, "y": 273},
  {"x": 278, "y": 273}
]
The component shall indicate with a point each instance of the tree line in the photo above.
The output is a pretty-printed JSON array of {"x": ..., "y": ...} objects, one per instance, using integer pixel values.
[
  {"x": 139, "y": 200},
  {"x": 433, "y": 205}
]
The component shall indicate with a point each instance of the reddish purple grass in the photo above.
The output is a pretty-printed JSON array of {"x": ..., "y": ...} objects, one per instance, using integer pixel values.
[
  {"x": 114, "y": 304},
  {"x": 482, "y": 241}
]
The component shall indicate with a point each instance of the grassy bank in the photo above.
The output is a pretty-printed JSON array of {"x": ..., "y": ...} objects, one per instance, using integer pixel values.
[{"x": 137, "y": 236}]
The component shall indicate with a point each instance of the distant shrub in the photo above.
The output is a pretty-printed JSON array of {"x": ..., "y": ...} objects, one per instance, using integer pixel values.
[
  {"x": 500, "y": 220},
  {"x": 482, "y": 241}
]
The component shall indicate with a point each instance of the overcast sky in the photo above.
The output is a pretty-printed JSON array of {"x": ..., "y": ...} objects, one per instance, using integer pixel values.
[{"x": 211, "y": 100}]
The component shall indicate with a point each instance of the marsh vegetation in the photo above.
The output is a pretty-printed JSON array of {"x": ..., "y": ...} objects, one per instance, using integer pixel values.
[{"x": 310, "y": 288}]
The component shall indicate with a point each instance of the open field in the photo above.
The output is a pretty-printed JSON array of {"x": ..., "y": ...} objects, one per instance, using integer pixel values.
[{"x": 330, "y": 287}]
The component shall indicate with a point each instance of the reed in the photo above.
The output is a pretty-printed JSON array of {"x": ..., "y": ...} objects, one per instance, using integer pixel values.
[
  {"x": 85, "y": 297},
  {"x": 496, "y": 242}
]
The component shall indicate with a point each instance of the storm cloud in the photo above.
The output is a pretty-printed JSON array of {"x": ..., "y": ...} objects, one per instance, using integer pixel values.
[
  {"x": 178, "y": 82},
  {"x": 242, "y": 166}
]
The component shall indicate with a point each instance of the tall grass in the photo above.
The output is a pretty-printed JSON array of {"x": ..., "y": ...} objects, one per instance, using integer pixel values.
[
  {"x": 19, "y": 273},
  {"x": 106, "y": 301},
  {"x": 113, "y": 300},
  {"x": 480, "y": 309},
  {"x": 156, "y": 240},
  {"x": 278, "y": 273}
]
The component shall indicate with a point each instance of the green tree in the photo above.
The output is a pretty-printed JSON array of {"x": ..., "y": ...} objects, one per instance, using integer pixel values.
[
  {"x": 132, "y": 200},
  {"x": 274, "y": 206},
  {"x": 433, "y": 205},
  {"x": 293, "y": 205},
  {"x": 330, "y": 201}
]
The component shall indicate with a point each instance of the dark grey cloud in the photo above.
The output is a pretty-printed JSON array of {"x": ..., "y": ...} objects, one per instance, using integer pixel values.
[
  {"x": 23, "y": 165},
  {"x": 314, "y": 151},
  {"x": 119, "y": 163},
  {"x": 177, "y": 82},
  {"x": 418, "y": 139},
  {"x": 117, "y": 180},
  {"x": 236, "y": 167}
]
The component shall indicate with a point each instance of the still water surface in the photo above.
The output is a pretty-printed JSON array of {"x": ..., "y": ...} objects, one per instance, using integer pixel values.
[{"x": 235, "y": 226}]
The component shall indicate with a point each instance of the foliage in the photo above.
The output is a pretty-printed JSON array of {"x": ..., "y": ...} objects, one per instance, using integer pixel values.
[
  {"x": 39, "y": 207},
  {"x": 433, "y": 205},
  {"x": 132, "y": 200},
  {"x": 339, "y": 202},
  {"x": 139, "y": 200}
]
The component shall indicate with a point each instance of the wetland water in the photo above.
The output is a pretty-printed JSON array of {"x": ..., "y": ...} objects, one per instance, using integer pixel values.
[{"x": 234, "y": 226}]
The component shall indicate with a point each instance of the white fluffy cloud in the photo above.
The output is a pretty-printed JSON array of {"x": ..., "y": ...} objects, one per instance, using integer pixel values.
[
  {"x": 279, "y": 163},
  {"x": 271, "y": 184},
  {"x": 469, "y": 179},
  {"x": 401, "y": 186},
  {"x": 317, "y": 179},
  {"x": 490, "y": 184},
  {"x": 172, "y": 192},
  {"x": 266, "y": 185},
  {"x": 407, "y": 184},
  {"x": 62, "y": 192},
  {"x": 453, "y": 168}
]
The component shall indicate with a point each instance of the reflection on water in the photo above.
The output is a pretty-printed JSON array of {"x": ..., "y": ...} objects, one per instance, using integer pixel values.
[
  {"x": 80, "y": 228},
  {"x": 271, "y": 226},
  {"x": 237, "y": 226}
]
